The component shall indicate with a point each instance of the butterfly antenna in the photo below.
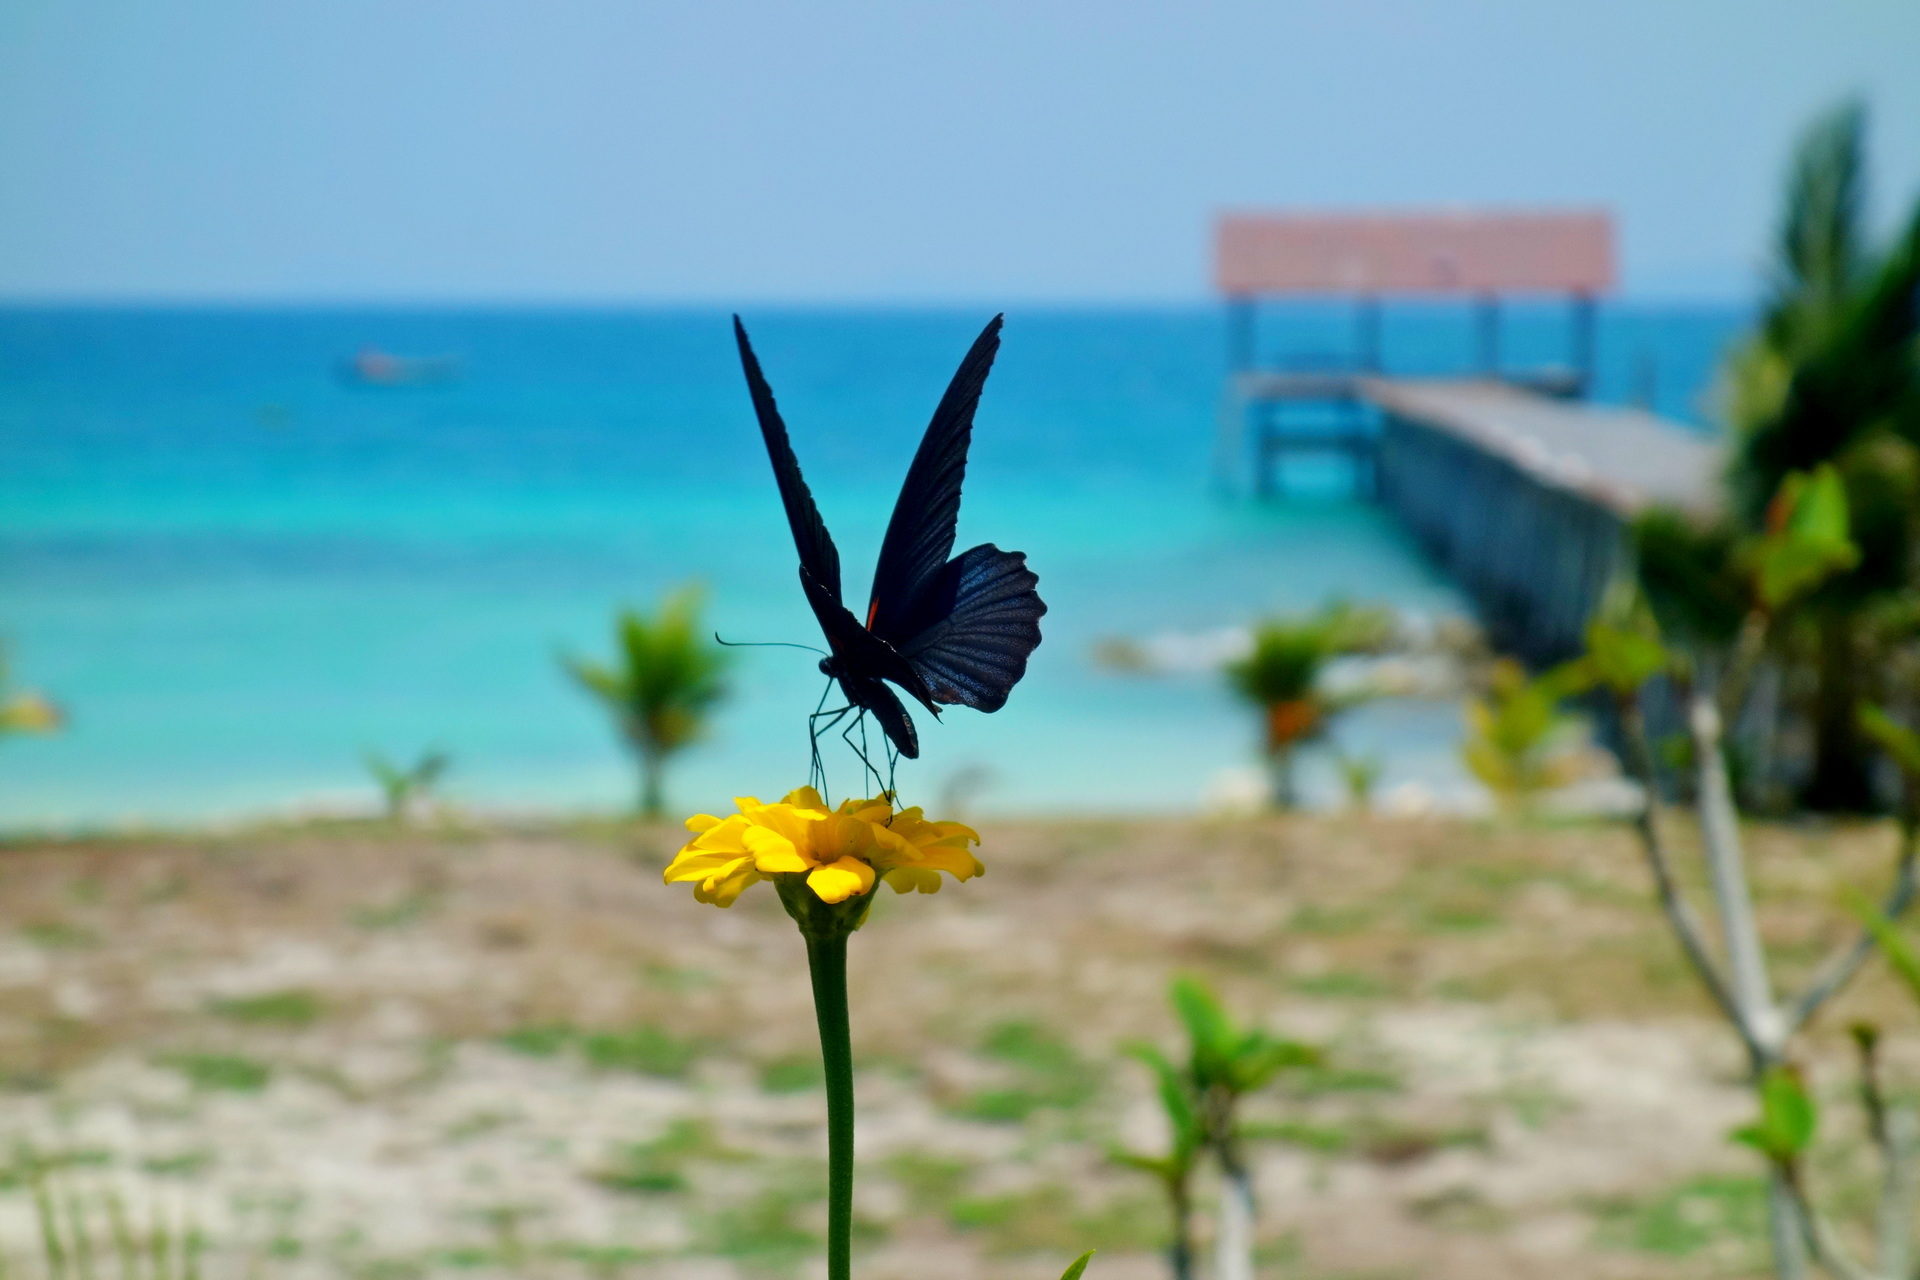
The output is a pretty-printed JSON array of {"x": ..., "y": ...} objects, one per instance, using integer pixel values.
[{"x": 766, "y": 644}]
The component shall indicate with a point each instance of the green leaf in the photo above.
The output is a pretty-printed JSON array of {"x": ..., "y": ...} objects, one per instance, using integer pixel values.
[
  {"x": 1623, "y": 642},
  {"x": 1894, "y": 738},
  {"x": 1262, "y": 1057},
  {"x": 1788, "y": 1117},
  {"x": 1163, "y": 1167},
  {"x": 1079, "y": 1265},
  {"x": 1900, "y": 953},
  {"x": 1808, "y": 539},
  {"x": 1176, "y": 1099},
  {"x": 1207, "y": 1023}
]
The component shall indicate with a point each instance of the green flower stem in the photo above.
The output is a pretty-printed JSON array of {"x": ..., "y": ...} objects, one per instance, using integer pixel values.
[{"x": 827, "y": 964}]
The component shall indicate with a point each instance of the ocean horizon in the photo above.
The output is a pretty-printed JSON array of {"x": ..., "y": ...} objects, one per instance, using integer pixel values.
[{"x": 238, "y": 570}]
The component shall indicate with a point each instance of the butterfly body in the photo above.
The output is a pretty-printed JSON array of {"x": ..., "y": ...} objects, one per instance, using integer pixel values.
[{"x": 943, "y": 629}]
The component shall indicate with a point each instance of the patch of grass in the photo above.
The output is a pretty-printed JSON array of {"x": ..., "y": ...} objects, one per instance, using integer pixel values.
[
  {"x": 408, "y": 908},
  {"x": 1323, "y": 921},
  {"x": 221, "y": 1072},
  {"x": 29, "y": 1164},
  {"x": 930, "y": 1182},
  {"x": 479, "y": 1122},
  {"x": 1000, "y": 1106},
  {"x": 293, "y": 1007},
  {"x": 58, "y": 935},
  {"x": 792, "y": 1075},
  {"x": 1535, "y": 1105},
  {"x": 1047, "y": 1074},
  {"x": 600, "y": 1259},
  {"x": 543, "y": 1041},
  {"x": 1319, "y": 1079},
  {"x": 1715, "y": 1209},
  {"x": 675, "y": 978},
  {"x": 181, "y": 1164},
  {"x": 1044, "y": 1219},
  {"x": 761, "y": 1232},
  {"x": 647, "y": 1050},
  {"x": 659, "y": 1166},
  {"x": 1326, "y": 1139},
  {"x": 1340, "y": 984},
  {"x": 1458, "y": 919}
]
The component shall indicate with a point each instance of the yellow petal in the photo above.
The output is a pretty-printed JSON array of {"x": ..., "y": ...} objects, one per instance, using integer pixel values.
[
  {"x": 796, "y": 825},
  {"x": 805, "y": 798},
  {"x": 913, "y": 880},
  {"x": 840, "y": 880},
  {"x": 957, "y": 863},
  {"x": 701, "y": 822},
  {"x": 722, "y": 890},
  {"x": 702, "y": 864},
  {"x": 773, "y": 852}
]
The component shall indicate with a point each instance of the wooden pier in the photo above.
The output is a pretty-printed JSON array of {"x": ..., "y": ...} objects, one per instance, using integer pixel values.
[
  {"x": 1515, "y": 485},
  {"x": 1524, "y": 499}
]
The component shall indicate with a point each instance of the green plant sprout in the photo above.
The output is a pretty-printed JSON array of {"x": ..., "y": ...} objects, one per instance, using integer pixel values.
[
  {"x": 661, "y": 688},
  {"x": 405, "y": 790},
  {"x": 1708, "y": 658},
  {"x": 1360, "y": 778},
  {"x": 1201, "y": 1097},
  {"x": 1282, "y": 678},
  {"x": 1520, "y": 744}
]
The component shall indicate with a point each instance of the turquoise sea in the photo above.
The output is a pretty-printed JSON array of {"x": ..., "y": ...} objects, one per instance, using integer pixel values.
[{"x": 237, "y": 571}]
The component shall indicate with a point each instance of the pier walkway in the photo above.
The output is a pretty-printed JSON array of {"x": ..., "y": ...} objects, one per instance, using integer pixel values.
[
  {"x": 1524, "y": 499},
  {"x": 1520, "y": 494}
]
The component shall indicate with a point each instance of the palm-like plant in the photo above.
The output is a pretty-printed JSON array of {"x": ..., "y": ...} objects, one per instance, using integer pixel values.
[
  {"x": 1520, "y": 741},
  {"x": 406, "y": 788},
  {"x": 24, "y": 710},
  {"x": 665, "y": 680},
  {"x": 1832, "y": 376},
  {"x": 1281, "y": 676},
  {"x": 1202, "y": 1094}
]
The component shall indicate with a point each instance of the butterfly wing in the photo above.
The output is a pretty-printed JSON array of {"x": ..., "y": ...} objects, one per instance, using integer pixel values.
[
  {"x": 819, "y": 558},
  {"x": 920, "y": 534},
  {"x": 986, "y": 613}
]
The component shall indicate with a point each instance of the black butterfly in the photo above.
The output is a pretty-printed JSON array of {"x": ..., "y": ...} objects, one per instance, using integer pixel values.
[{"x": 954, "y": 631}]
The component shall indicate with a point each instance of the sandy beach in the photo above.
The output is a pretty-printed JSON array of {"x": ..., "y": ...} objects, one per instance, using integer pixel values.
[{"x": 351, "y": 1051}]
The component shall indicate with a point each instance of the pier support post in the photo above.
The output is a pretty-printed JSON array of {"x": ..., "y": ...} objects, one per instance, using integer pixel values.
[
  {"x": 1367, "y": 332},
  {"x": 1585, "y": 324},
  {"x": 1487, "y": 312},
  {"x": 1240, "y": 333}
]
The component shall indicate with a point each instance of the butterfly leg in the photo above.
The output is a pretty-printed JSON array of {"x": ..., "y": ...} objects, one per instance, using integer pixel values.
[
  {"x": 860, "y": 748},
  {"x": 817, "y": 769}
]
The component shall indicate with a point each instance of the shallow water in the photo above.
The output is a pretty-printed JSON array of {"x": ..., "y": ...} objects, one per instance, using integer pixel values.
[{"x": 238, "y": 572}]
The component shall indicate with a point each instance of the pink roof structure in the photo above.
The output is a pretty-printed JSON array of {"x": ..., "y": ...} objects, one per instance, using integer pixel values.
[{"x": 1450, "y": 253}]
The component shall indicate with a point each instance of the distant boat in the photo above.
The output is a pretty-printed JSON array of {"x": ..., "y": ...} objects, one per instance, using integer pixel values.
[{"x": 372, "y": 367}]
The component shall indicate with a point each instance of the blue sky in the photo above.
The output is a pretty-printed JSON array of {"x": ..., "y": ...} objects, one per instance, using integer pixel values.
[{"x": 908, "y": 152}]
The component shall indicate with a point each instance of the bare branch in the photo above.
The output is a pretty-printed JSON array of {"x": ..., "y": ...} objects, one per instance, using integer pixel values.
[
  {"x": 1747, "y": 978},
  {"x": 1821, "y": 1244},
  {"x": 1846, "y": 961},
  {"x": 1680, "y": 914}
]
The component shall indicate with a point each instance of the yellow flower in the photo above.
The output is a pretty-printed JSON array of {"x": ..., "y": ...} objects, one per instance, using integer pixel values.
[{"x": 840, "y": 852}]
